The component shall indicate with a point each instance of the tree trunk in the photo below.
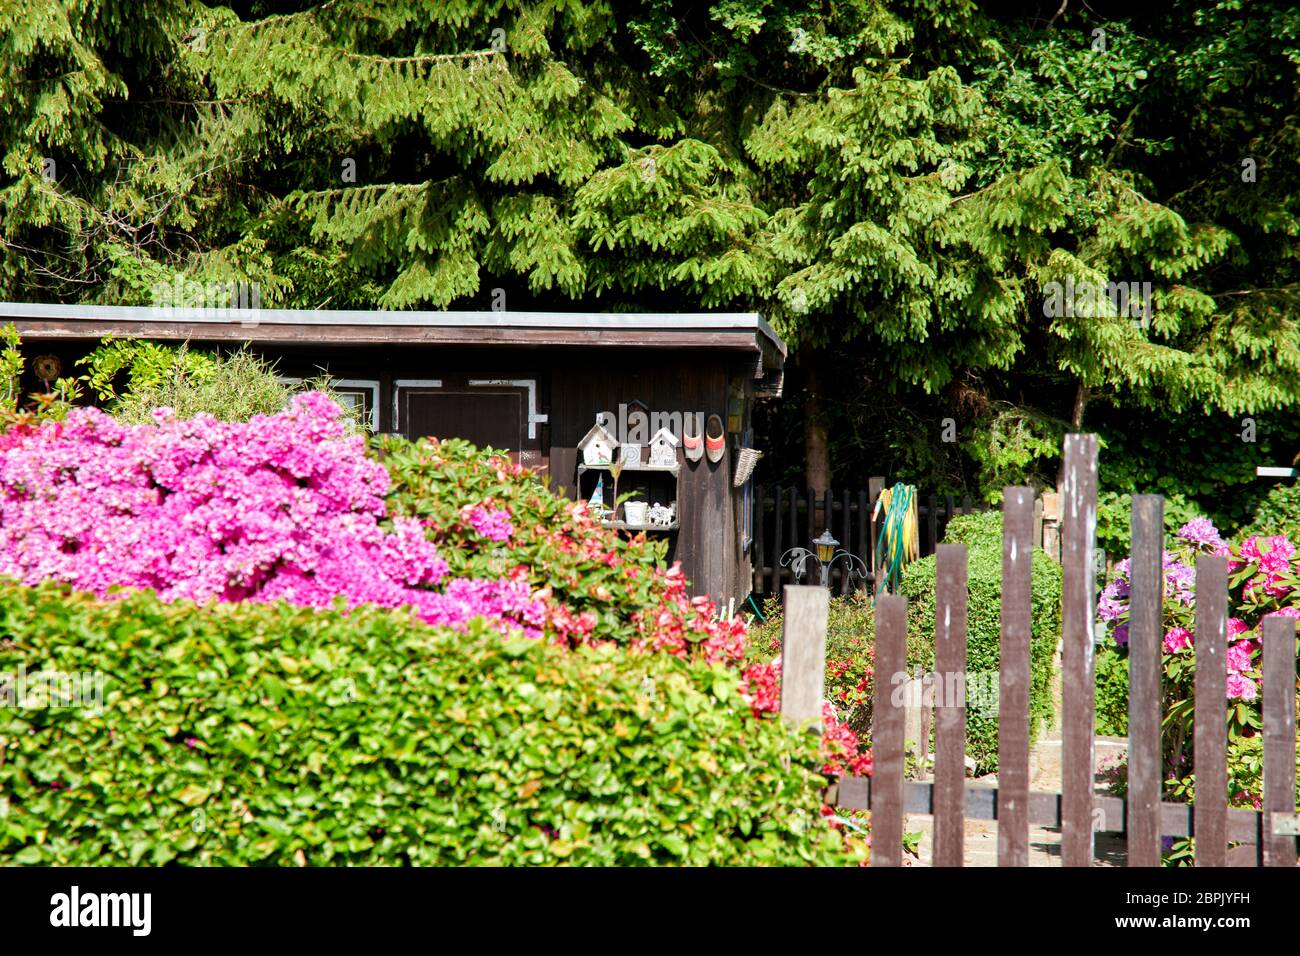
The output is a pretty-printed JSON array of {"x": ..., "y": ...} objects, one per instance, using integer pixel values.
[
  {"x": 1081, "y": 396},
  {"x": 816, "y": 442}
]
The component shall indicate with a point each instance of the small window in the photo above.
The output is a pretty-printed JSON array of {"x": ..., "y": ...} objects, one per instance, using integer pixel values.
[{"x": 352, "y": 393}]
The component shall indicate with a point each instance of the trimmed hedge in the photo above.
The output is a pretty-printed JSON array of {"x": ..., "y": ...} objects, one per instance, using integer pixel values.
[
  {"x": 270, "y": 734},
  {"x": 984, "y": 614}
]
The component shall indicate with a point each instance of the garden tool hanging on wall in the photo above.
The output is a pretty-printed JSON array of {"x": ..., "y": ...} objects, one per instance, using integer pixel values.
[{"x": 899, "y": 543}]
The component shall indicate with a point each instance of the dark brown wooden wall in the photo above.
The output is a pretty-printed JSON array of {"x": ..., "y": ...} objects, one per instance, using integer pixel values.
[{"x": 706, "y": 543}]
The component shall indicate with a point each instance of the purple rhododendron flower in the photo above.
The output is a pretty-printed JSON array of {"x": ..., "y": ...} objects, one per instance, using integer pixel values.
[
  {"x": 1202, "y": 533},
  {"x": 1121, "y": 635}
]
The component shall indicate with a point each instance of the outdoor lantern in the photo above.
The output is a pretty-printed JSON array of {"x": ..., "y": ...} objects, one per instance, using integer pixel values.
[{"x": 826, "y": 546}]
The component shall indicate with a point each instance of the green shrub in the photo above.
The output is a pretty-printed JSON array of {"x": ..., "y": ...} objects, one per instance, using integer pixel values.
[
  {"x": 1277, "y": 513},
  {"x": 1112, "y": 691},
  {"x": 231, "y": 387},
  {"x": 983, "y": 650},
  {"x": 267, "y": 734},
  {"x": 981, "y": 528}
]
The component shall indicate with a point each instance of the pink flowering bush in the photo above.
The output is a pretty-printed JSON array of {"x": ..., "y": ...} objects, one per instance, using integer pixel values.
[
  {"x": 1264, "y": 579},
  {"x": 283, "y": 507}
]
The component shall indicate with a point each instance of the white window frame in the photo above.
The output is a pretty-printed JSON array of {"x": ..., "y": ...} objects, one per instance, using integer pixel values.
[{"x": 369, "y": 384}]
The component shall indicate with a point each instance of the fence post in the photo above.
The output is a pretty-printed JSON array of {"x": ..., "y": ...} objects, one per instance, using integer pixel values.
[
  {"x": 1013, "y": 677},
  {"x": 1078, "y": 612},
  {"x": 1052, "y": 524},
  {"x": 950, "y": 705},
  {"x": 1279, "y": 737},
  {"x": 1145, "y": 631},
  {"x": 1210, "y": 814},
  {"x": 1038, "y": 522},
  {"x": 875, "y": 485},
  {"x": 803, "y": 654},
  {"x": 887, "y": 732}
]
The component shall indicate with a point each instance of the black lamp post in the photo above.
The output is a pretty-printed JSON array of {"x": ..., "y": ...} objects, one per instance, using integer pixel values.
[{"x": 826, "y": 556}]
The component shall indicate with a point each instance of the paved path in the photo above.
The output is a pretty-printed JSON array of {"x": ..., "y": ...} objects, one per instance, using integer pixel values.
[
  {"x": 1044, "y": 842},
  {"x": 1044, "y": 777}
]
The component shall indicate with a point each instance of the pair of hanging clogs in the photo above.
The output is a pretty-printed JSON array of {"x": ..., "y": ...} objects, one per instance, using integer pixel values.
[{"x": 712, "y": 443}]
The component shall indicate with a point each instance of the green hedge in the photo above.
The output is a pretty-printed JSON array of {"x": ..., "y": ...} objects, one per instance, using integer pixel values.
[
  {"x": 983, "y": 651},
  {"x": 275, "y": 735}
]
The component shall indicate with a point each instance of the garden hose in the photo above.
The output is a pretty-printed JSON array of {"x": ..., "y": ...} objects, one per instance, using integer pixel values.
[
  {"x": 754, "y": 605},
  {"x": 899, "y": 543}
]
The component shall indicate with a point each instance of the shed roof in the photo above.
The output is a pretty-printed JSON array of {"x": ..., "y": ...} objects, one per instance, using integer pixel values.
[{"x": 739, "y": 331}]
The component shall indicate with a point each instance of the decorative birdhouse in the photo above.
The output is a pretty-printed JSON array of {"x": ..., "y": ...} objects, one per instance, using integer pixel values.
[
  {"x": 663, "y": 448},
  {"x": 597, "y": 446}
]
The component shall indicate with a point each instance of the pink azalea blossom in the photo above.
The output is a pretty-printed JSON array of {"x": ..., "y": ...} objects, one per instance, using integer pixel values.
[
  {"x": 283, "y": 507},
  {"x": 1176, "y": 639},
  {"x": 1241, "y": 687}
]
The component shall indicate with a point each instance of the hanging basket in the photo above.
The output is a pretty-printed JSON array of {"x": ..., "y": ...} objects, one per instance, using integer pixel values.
[{"x": 746, "y": 459}]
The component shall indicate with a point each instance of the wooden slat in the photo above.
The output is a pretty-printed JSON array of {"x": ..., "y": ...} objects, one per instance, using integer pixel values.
[
  {"x": 864, "y": 534},
  {"x": 811, "y": 517},
  {"x": 932, "y": 523},
  {"x": 795, "y": 540},
  {"x": 1013, "y": 677},
  {"x": 803, "y": 655},
  {"x": 1210, "y": 753},
  {"x": 875, "y": 485},
  {"x": 1146, "y": 614},
  {"x": 778, "y": 572},
  {"x": 950, "y": 704},
  {"x": 1078, "y": 611},
  {"x": 760, "y": 553},
  {"x": 1279, "y": 736},
  {"x": 887, "y": 732},
  {"x": 846, "y": 540}
]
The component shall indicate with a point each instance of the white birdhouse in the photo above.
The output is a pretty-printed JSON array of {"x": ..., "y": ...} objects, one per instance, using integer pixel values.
[
  {"x": 663, "y": 448},
  {"x": 597, "y": 446}
]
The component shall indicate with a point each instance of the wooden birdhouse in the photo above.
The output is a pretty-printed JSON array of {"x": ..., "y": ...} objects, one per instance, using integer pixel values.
[{"x": 597, "y": 446}]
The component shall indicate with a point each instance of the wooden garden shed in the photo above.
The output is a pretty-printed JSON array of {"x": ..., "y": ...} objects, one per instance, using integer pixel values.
[{"x": 533, "y": 383}]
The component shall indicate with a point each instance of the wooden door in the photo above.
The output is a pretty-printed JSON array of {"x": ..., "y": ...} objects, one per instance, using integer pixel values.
[{"x": 501, "y": 414}]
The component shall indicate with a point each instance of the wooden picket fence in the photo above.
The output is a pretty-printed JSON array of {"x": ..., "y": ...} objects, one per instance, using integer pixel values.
[
  {"x": 1265, "y": 837},
  {"x": 789, "y": 517}
]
